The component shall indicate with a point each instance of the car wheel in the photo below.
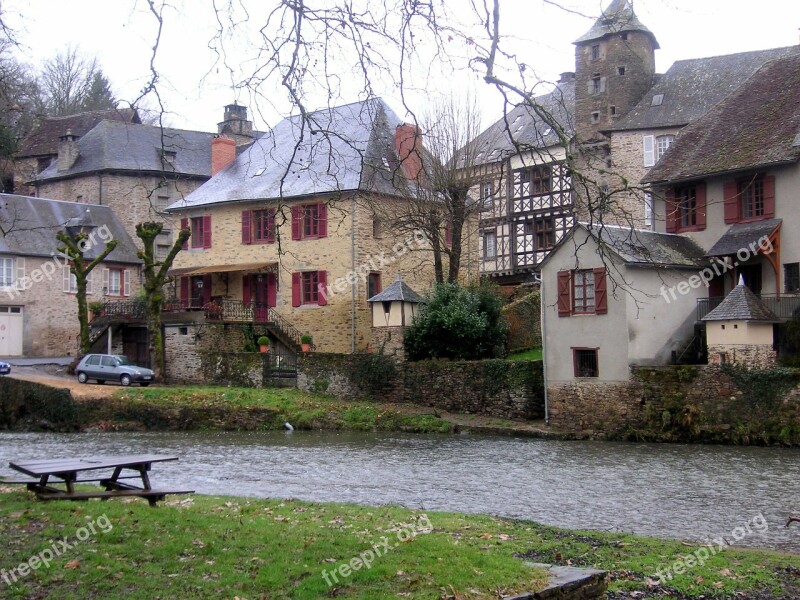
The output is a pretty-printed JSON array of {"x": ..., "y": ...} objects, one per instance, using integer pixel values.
[
  {"x": 125, "y": 380},
  {"x": 144, "y": 384},
  {"x": 82, "y": 378}
]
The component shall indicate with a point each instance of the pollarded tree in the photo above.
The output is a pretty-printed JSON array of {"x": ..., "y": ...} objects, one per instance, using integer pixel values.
[{"x": 154, "y": 273}]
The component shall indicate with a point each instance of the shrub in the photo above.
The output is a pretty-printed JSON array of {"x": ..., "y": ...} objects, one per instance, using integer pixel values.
[{"x": 458, "y": 322}]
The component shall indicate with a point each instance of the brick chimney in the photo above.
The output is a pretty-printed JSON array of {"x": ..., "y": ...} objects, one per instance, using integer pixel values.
[
  {"x": 223, "y": 153},
  {"x": 67, "y": 151},
  {"x": 408, "y": 144}
]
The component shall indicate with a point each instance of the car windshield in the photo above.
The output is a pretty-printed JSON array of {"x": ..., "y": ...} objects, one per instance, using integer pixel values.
[{"x": 123, "y": 360}]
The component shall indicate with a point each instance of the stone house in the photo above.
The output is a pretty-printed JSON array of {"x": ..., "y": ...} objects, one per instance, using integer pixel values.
[
  {"x": 38, "y": 311},
  {"x": 614, "y": 117},
  {"x": 289, "y": 234}
]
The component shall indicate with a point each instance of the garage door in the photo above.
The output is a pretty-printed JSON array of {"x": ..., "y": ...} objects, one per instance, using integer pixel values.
[{"x": 10, "y": 331}]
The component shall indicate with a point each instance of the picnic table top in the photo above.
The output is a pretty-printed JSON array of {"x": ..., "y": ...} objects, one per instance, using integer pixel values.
[{"x": 37, "y": 468}]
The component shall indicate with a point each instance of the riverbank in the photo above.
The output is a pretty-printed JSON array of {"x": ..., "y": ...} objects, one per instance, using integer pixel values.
[{"x": 225, "y": 547}]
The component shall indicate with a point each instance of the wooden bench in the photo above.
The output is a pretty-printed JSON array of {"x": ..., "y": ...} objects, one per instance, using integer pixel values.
[{"x": 67, "y": 471}]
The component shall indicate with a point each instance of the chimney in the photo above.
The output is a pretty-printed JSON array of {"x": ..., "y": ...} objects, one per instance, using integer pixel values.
[
  {"x": 566, "y": 76},
  {"x": 67, "y": 151},
  {"x": 408, "y": 144},
  {"x": 223, "y": 153},
  {"x": 235, "y": 124}
]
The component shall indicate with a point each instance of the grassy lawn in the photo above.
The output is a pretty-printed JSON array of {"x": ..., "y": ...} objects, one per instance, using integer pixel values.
[
  {"x": 217, "y": 547},
  {"x": 532, "y": 354}
]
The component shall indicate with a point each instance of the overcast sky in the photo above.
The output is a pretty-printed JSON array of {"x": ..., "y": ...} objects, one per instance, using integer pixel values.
[{"x": 121, "y": 33}]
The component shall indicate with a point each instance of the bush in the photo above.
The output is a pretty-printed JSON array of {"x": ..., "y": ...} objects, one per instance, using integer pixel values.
[{"x": 458, "y": 323}]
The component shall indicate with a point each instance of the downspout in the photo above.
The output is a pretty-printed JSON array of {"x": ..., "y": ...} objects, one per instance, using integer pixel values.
[
  {"x": 353, "y": 270},
  {"x": 539, "y": 279},
  {"x": 100, "y": 191}
]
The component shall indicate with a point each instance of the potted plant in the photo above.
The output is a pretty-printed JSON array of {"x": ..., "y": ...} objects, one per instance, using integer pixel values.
[
  {"x": 95, "y": 309},
  {"x": 263, "y": 343},
  {"x": 305, "y": 342}
]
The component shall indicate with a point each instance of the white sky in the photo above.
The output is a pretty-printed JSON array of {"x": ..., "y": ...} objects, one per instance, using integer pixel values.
[{"x": 121, "y": 33}]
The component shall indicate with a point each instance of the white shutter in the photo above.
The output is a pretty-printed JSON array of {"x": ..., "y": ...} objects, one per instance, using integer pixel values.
[
  {"x": 105, "y": 281},
  {"x": 66, "y": 277},
  {"x": 126, "y": 282},
  {"x": 19, "y": 265},
  {"x": 89, "y": 282},
  {"x": 602, "y": 84},
  {"x": 648, "y": 142}
]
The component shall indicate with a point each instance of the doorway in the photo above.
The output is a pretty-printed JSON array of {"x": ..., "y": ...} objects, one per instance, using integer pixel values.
[{"x": 265, "y": 294}]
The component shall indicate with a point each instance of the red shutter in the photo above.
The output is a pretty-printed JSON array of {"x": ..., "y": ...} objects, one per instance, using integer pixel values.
[
  {"x": 184, "y": 291},
  {"x": 769, "y": 197},
  {"x": 322, "y": 224},
  {"x": 600, "y": 295},
  {"x": 564, "y": 284},
  {"x": 700, "y": 196},
  {"x": 730, "y": 196},
  {"x": 206, "y": 289},
  {"x": 271, "y": 225},
  {"x": 297, "y": 223},
  {"x": 185, "y": 225},
  {"x": 246, "y": 228},
  {"x": 297, "y": 284},
  {"x": 322, "y": 288},
  {"x": 207, "y": 231},
  {"x": 272, "y": 290},
  {"x": 246, "y": 290},
  {"x": 670, "y": 210}
]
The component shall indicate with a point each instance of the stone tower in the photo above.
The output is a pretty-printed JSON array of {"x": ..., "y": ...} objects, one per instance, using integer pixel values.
[
  {"x": 614, "y": 67},
  {"x": 235, "y": 124}
]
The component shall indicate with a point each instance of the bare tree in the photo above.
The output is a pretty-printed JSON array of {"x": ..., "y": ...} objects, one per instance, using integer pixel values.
[{"x": 72, "y": 83}]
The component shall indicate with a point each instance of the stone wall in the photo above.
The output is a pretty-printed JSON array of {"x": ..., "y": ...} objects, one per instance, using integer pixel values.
[
  {"x": 524, "y": 322},
  {"x": 759, "y": 356},
  {"x": 684, "y": 403},
  {"x": 497, "y": 388}
]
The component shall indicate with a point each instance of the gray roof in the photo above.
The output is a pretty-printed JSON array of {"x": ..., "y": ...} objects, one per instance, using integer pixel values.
[
  {"x": 650, "y": 248},
  {"x": 691, "y": 87},
  {"x": 742, "y": 305},
  {"x": 115, "y": 146},
  {"x": 522, "y": 128},
  {"x": 742, "y": 235},
  {"x": 333, "y": 150},
  {"x": 618, "y": 17},
  {"x": 32, "y": 224},
  {"x": 399, "y": 290}
]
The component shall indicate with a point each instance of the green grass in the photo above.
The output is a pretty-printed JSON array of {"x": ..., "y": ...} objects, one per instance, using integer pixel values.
[
  {"x": 532, "y": 354},
  {"x": 218, "y": 547}
]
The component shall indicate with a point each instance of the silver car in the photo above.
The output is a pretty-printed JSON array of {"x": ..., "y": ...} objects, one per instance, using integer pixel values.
[{"x": 112, "y": 367}]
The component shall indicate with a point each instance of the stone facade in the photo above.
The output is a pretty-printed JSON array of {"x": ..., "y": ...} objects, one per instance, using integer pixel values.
[
  {"x": 389, "y": 341},
  {"x": 756, "y": 356}
]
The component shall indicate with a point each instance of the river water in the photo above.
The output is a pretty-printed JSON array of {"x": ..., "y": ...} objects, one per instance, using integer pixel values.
[{"x": 682, "y": 491}]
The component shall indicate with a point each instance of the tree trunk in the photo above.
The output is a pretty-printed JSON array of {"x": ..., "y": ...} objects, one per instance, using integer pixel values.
[
  {"x": 83, "y": 314},
  {"x": 156, "y": 340}
]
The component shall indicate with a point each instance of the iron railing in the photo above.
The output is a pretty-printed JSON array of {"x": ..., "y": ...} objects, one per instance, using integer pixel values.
[{"x": 785, "y": 306}]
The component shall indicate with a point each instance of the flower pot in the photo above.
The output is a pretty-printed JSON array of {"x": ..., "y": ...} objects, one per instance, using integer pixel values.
[
  {"x": 264, "y": 348},
  {"x": 305, "y": 347}
]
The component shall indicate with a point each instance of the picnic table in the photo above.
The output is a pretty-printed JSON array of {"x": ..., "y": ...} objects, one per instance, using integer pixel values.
[{"x": 68, "y": 469}]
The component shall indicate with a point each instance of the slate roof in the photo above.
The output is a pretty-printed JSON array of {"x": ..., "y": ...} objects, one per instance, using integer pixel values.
[
  {"x": 755, "y": 126},
  {"x": 43, "y": 141},
  {"x": 742, "y": 305},
  {"x": 34, "y": 222},
  {"x": 650, "y": 248},
  {"x": 742, "y": 235},
  {"x": 691, "y": 87},
  {"x": 399, "y": 290},
  {"x": 350, "y": 149},
  {"x": 618, "y": 17},
  {"x": 527, "y": 128},
  {"x": 115, "y": 146}
]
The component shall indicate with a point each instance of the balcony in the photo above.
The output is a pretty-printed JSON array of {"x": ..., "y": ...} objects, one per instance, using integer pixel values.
[{"x": 785, "y": 306}]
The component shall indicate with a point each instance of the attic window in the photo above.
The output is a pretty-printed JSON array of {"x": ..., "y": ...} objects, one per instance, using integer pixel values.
[
  {"x": 624, "y": 35},
  {"x": 657, "y": 100},
  {"x": 620, "y": 70},
  {"x": 595, "y": 51},
  {"x": 168, "y": 156},
  {"x": 260, "y": 171}
]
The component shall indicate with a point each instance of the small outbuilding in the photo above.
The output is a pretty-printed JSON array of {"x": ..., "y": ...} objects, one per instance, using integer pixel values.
[{"x": 392, "y": 311}]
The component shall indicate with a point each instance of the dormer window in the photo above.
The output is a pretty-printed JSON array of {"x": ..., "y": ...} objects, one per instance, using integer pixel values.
[
  {"x": 167, "y": 157},
  {"x": 657, "y": 100}
]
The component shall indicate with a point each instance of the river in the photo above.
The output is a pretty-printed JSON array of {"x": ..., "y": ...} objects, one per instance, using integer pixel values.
[{"x": 682, "y": 491}]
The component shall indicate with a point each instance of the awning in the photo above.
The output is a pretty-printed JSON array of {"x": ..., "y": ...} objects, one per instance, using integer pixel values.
[
  {"x": 741, "y": 236},
  {"x": 248, "y": 267}
]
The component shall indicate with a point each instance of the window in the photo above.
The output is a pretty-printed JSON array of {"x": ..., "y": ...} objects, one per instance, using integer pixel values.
[
  {"x": 613, "y": 111},
  {"x": 791, "y": 277},
  {"x": 624, "y": 35},
  {"x": 93, "y": 360},
  {"x": 160, "y": 204},
  {"x": 310, "y": 287},
  {"x": 621, "y": 71},
  {"x": 486, "y": 195},
  {"x": 545, "y": 233},
  {"x": 310, "y": 290},
  {"x": 663, "y": 142},
  {"x": 685, "y": 208},
  {"x": 6, "y": 272},
  {"x": 649, "y": 215},
  {"x": 201, "y": 231},
  {"x": 116, "y": 282},
  {"x": 309, "y": 221},
  {"x": 538, "y": 180},
  {"x": 264, "y": 225},
  {"x": 686, "y": 198},
  {"x": 595, "y": 51},
  {"x": 377, "y": 228},
  {"x": 373, "y": 285},
  {"x": 582, "y": 291},
  {"x": 597, "y": 85},
  {"x": 71, "y": 284},
  {"x": 490, "y": 245},
  {"x": 752, "y": 194},
  {"x": 585, "y": 362},
  {"x": 596, "y": 117}
]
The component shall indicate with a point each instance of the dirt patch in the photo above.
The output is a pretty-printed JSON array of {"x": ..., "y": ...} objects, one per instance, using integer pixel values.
[{"x": 55, "y": 376}]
